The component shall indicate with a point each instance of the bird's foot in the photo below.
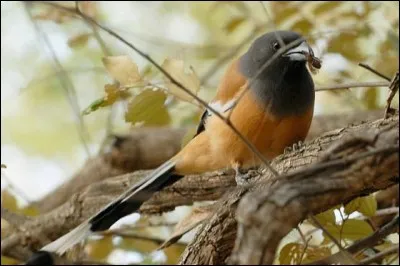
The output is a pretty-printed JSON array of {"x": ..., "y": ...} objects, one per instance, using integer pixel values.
[
  {"x": 243, "y": 176},
  {"x": 295, "y": 147}
]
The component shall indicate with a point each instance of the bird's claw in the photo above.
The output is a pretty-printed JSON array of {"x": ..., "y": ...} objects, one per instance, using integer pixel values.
[
  {"x": 242, "y": 177},
  {"x": 295, "y": 147}
]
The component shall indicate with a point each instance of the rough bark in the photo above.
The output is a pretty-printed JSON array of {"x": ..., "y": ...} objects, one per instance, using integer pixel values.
[
  {"x": 147, "y": 148},
  {"x": 210, "y": 186},
  {"x": 143, "y": 148},
  {"x": 291, "y": 188}
]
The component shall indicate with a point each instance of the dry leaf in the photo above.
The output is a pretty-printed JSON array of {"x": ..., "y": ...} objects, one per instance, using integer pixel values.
[
  {"x": 123, "y": 69},
  {"x": 188, "y": 80},
  {"x": 148, "y": 108},
  {"x": 196, "y": 217},
  {"x": 54, "y": 14},
  {"x": 79, "y": 40}
]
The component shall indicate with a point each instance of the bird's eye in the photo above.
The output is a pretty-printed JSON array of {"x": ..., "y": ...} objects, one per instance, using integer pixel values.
[{"x": 276, "y": 46}]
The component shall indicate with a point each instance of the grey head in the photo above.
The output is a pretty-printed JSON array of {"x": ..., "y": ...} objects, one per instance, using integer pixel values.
[{"x": 285, "y": 86}]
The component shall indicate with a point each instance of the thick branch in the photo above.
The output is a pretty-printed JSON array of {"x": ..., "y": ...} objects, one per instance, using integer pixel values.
[
  {"x": 204, "y": 242},
  {"x": 143, "y": 148},
  {"x": 209, "y": 186},
  {"x": 267, "y": 215},
  {"x": 147, "y": 148}
]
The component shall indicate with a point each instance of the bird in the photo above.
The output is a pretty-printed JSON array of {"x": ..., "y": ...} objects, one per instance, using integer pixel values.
[{"x": 272, "y": 107}]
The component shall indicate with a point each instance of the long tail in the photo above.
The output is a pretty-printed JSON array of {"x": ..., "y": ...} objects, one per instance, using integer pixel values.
[{"x": 125, "y": 204}]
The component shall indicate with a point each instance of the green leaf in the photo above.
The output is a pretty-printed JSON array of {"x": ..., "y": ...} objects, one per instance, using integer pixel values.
[
  {"x": 327, "y": 217},
  {"x": 352, "y": 229},
  {"x": 352, "y": 206},
  {"x": 93, "y": 106},
  {"x": 113, "y": 93},
  {"x": 366, "y": 205},
  {"x": 148, "y": 108}
]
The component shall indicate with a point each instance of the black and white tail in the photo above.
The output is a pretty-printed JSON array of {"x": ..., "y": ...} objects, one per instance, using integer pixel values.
[{"x": 125, "y": 204}]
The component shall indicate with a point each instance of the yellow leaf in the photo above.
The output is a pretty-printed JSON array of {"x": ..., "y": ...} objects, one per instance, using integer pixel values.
[
  {"x": 79, "y": 40},
  {"x": 290, "y": 253},
  {"x": 53, "y": 14},
  {"x": 112, "y": 93},
  {"x": 188, "y": 80},
  {"x": 352, "y": 229},
  {"x": 234, "y": 23},
  {"x": 316, "y": 253},
  {"x": 123, "y": 69},
  {"x": 148, "y": 108}
]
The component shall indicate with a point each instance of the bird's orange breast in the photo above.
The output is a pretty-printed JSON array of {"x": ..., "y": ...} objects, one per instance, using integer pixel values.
[{"x": 270, "y": 134}]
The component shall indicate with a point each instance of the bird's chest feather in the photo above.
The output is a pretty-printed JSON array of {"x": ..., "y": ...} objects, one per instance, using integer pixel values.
[{"x": 270, "y": 134}]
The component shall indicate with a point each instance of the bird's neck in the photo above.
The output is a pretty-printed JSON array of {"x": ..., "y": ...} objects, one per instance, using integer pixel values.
[{"x": 285, "y": 93}]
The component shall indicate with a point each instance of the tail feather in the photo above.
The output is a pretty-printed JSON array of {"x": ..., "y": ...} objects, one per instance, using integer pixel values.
[
  {"x": 62, "y": 244},
  {"x": 126, "y": 203}
]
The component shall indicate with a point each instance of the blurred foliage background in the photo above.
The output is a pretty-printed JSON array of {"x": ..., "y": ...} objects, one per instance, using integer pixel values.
[{"x": 53, "y": 70}]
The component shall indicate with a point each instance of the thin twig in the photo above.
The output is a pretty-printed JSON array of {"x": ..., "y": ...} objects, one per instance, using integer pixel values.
[
  {"x": 106, "y": 52},
  {"x": 77, "y": 70},
  {"x": 381, "y": 212},
  {"x": 213, "y": 69},
  {"x": 353, "y": 85},
  {"x": 374, "y": 71},
  {"x": 19, "y": 192},
  {"x": 270, "y": 21},
  {"x": 361, "y": 244},
  {"x": 177, "y": 83},
  {"x": 65, "y": 81},
  {"x": 332, "y": 238},
  {"x": 122, "y": 233},
  {"x": 393, "y": 88},
  {"x": 301, "y": 234},
  {"x": 303, "y": 252},
  {"x": 380, "y": 255}
]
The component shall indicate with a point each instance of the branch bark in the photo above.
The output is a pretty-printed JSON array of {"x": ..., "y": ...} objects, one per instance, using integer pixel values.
[
  {"x": 255, "y": 214},
  {"x": 267, "y": 215},
  {"x": 141, "y": 149},
  {"x": 214, "y": 244}
]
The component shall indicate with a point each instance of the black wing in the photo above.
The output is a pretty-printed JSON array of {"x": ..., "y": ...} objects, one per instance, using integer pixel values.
[{"x": 202, "y": 123}]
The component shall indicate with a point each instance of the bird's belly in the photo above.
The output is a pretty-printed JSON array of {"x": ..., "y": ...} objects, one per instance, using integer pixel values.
[{"x": 269, "y": 134}]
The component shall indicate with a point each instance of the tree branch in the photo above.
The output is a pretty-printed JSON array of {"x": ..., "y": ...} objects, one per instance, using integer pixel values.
[
  {"x": 204, "y": 250},
  {"x": 267, "y": 215}
]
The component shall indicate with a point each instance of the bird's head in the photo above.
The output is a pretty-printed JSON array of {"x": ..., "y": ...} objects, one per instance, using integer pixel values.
[{"x": 284, "y": 48}]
